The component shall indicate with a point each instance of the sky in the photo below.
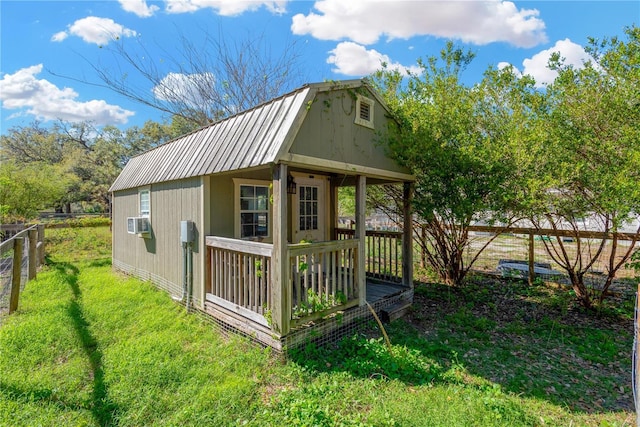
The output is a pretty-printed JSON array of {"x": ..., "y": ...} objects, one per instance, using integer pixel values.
[{"x": 49, "y": 50}]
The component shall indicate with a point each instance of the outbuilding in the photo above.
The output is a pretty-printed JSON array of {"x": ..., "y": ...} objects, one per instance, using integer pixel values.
[{"x": 239, "y": 219}]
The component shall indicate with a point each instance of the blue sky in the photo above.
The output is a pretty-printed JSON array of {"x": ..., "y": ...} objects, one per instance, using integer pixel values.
[{"x": 47, "y": 47}]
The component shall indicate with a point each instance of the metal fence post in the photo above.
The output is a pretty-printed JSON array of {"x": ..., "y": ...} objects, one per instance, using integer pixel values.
[
  {"x": 33, "y": 259},
  {"x": 16, "y": 278}
]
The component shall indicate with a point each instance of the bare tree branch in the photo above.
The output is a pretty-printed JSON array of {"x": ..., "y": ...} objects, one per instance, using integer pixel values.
[{"x": 201, "y": 80}]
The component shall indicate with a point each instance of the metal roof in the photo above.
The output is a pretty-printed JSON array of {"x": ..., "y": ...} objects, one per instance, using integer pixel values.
[{"x": 255, "y": 137}]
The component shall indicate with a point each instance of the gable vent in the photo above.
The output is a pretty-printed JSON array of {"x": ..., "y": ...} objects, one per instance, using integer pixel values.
[{"x": 364, "y": 111}]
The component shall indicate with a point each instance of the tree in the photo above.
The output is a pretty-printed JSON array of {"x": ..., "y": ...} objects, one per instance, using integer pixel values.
[
  {"x": 26, "y": 189},
  {"x": 593, "y": 169},
  {"x": 209, "y": 79},
  {"x": 79, "y": 158},
  {"x": 466, "y": 147}
]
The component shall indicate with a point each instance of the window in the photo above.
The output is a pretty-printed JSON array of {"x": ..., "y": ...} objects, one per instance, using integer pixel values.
[
  {"x": 364, "y": 111},
  {"x": 308, "y": 207},
  {"x": 254, "y": 210},
  {"x": 144, "y": 198}
]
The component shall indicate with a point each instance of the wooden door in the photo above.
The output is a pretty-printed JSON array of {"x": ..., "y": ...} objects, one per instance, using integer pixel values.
[{"x": 309, "y": 208}]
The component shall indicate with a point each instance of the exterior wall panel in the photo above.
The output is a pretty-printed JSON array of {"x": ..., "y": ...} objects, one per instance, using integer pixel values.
[
  {"x": 159, "y": 257},
  {"x": 222, "y": 196},
  {"x": 329, "y": 132}
]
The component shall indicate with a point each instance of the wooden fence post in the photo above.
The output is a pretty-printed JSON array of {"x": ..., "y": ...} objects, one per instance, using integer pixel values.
[
  {"x": 40, "y": 244},
  {"x": 16, "y": 277},
  {"x": 33, "y": 259},
  {"x": 423, "y": 255},
  {"x": 636, "y": 353},
  {"x": 532, "y": 272}
]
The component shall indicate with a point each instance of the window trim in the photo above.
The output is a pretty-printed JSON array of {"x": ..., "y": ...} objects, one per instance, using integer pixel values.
[
  {"x": 142, "y": 190},
  {"x": 237, "y": 183},
  {"x": 361, "y": 99}
]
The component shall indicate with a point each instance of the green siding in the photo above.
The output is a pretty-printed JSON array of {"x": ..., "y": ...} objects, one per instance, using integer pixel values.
[
  {"x": 159, "y": 257},
  {"x": 329, "y": 132}
]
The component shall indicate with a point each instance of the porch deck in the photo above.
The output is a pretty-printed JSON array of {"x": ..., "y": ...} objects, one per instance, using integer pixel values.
[
  {"x": 323, "y": 286},
  {"x": 377, "y": 290}
]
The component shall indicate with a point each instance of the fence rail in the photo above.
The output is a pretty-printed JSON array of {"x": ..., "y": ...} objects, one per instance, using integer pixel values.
[
  {"x": 383, "y": 253},
  {"x": 20, "y": 257},
  {"x": 524, "y": 251},
  {"x": 240, "y": 275},
  {"x": 324, "y": 278}
]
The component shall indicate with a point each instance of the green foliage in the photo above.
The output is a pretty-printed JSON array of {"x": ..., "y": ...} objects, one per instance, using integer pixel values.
[
  {"x": 592, "y": 132},
  {"x": 90, "y": 347},
  {"x": 70, "y": 163},
  {"x": 346, "y": 201},
  {"x": 25, "y": 189},
  {"x": 78, "y": 243},
  {"x": 635, "y": 263},
  {"x": 369, "y": 357},
  {"x": 315, "y": 302},
  {"x": 468, "y": 146},
  {"x": 594, "y": 135},
  {"x": 86, "y": 221}
]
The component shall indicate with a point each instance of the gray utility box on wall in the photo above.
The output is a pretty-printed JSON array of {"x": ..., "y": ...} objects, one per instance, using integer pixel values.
[{"x": 187, "y": 232}]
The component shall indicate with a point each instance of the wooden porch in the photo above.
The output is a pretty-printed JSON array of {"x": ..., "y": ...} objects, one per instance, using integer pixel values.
[
  {"x": 272, "y": 290},
  {"x": 322, "y": 279}
]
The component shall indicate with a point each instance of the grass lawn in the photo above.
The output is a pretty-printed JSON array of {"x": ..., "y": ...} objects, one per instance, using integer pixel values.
[{"x": 91, "y": 347}]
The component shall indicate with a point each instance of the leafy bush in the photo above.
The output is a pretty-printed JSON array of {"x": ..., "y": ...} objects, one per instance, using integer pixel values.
[{"x": 79, "y": 222}]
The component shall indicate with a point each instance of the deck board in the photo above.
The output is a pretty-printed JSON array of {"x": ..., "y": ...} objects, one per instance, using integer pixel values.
[{"x": 379, "y": 290}]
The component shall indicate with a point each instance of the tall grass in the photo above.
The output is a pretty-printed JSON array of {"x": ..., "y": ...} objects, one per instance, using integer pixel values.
[{"x": 91, "y": 347}]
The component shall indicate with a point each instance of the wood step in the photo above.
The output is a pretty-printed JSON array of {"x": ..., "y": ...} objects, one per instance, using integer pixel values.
[{"x": 395, "y": 311}]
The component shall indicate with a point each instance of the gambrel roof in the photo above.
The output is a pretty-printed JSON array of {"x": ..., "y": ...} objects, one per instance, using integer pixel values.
[{"x": 256, "y": 137}]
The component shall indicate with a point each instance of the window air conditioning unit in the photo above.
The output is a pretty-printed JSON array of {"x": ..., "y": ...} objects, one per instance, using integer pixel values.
[{"x": 138, "y": 225}]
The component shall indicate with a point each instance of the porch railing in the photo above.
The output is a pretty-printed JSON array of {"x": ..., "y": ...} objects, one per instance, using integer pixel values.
[
  {"x": 323, "y": 278},
  {"x": 240, "y": 275},
  {"x": 383, "y": 253}
]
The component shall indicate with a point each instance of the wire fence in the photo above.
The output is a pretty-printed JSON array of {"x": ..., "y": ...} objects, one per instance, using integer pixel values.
[
  {"x": 515, "y": 252},
  {"x": 20, "y": 257},
  {"x": 511, "y": 253}
]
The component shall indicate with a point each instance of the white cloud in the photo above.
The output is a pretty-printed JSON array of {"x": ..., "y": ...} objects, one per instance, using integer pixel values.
[
  {"x": 95, "y": 30},
  {"x": 353, "y": 59},
  {"x": 478, "y": 22},
  {"x": 536, "y": 66},
  {"x": 225, "y": 7},
  {"x": 58, "y": 37},
  {"x": 139, "y": 7},
  {"x": 187, "y": 88},
  {"x": 46, "y": 101}
]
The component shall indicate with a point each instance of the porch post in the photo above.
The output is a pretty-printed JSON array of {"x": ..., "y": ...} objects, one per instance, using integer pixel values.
[
  {"x": 280, "y": 283},
  {"x": 360, "y": 234},
  {"x": 333, "y": 209},
  {"x": 407, "y": 236}
]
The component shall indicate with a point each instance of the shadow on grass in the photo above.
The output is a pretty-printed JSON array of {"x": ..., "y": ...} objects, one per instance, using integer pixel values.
[
  {"x": 497, "y": 337},
  {"x": 35, "y": 396},
  {"x": 531, "y": 340},
  {"x": 102, "y": 409},
  {"x": 103, "y": 262}
]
